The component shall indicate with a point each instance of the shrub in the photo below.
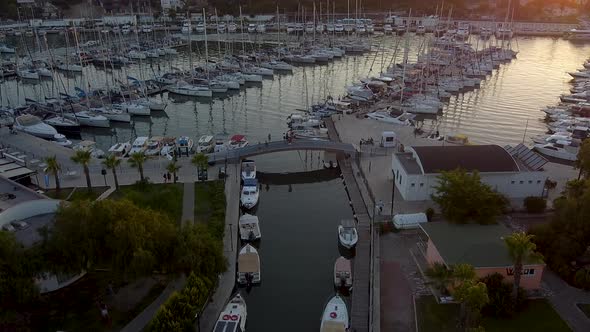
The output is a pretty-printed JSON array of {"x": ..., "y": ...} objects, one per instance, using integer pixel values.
[
  {"x": 500, "y": 295},
  {"x": 582, "y": 278},
  {"x": 429, "y": 214},
  {"x": 535, "y": 204}
]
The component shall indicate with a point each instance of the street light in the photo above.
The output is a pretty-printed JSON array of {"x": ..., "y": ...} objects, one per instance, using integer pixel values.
[{"x": 104, "y": 174}]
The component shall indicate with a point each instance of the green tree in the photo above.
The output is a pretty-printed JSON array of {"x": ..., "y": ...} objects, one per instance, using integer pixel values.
[
  {"x": 471, "y": 293},
  {"x": 583, "y": 160},
  {"x": 136, "y": 160},
  {"x": 173, "y": 168},
  {"x": 521, "y": 250},
  {"x": 440, "y": 276},
  {"x": 500, "y": 295},
  {"x": 200, "y": 160},
  {"x": 83, "y": 158},
  {"x": 462, "y": 198},
  {"x": 112, "y": 162},
  {"x": 16, "y": 274},
  {"x": 199, "y": 251},
  {"x": 53, "y": 167}
]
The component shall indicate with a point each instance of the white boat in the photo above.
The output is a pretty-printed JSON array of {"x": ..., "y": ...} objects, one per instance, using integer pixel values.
[
  {"x": 248, "y": 169},
  {"x": 32, "y": 125},
  {"x": 184, "y": 144},
  {"x": 405, "y": 119},
  {"x": 200, "y": 28},
  {"x": 113, "y": 114},
  {"x": 236, "y": 142},
  {"x": 6, "y": 49},
  {"x": 248, "y": 266},
  {"x": 151, "y": 104},
  {"x": 260, "y": 28},
  {"x": 342, "y": 273},
  {"x": 277, "y": 65},
  {"x": 252, "y": 70},
  {"x": 44, "y": 72},
  {"x": 186, "y": 28},
  {"x": 152, "y": 54},
  {"x": 251, "y": 28},
  {"x": 420, "y": 30},
  {"x": 560, "y": 150},
  {"x": 89, "y": 146},
  {"x": 136, "y": 55},
  {"x": 153, "y": 146},
  {"x": 347, "y": 233},
  {"x": 249, "y": 228},
  {"x": 70, "y": 67},
  {"x": 221, "y": 28},
  {"x": 338, "y": 28},
  {"x": 120, "y": 150},
  {"x": 60, "y": 139},
  {"x": 63, "y": 125},
  {"x": 387, "y": 29},
  {"x": 205, "y": 144},
  {"x": 28, "y": 74},
  {"x": 335, "y": 316},
  {"x": 191, "y": 90},
  {"x": 249, "y": 194},
  {"x": 233, "y": 317},
  {"x": 133, "y": 108},
  {"x": 139, "y": 145},
  {"x": 89, "y": 119},
  {"x": 232, "y": 28},
  {"x": 220, "y": 145}
]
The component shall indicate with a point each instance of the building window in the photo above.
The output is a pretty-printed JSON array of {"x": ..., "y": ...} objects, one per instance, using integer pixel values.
[
  {"x": 529, "y": 272},
  {"x": 400, "y": 179},
  {"x": 530, "y": 181},
  {"x": 421, "y": 184},
  {"x": 538, "y": 181},
  {"x": 521, "y": 182},
  {"x": 413, "y": 184},
  {"x": 512, "y": 182}
]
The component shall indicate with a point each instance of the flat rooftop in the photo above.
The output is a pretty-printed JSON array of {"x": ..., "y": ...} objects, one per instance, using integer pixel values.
[
  {"x": 409, "y": 163},
  {"x": 30, "y": 235},
  {"x": 12, "y": 194}
]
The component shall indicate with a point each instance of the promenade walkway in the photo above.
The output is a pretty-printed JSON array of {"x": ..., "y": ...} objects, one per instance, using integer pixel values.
[{"x": 564, "y": 299}]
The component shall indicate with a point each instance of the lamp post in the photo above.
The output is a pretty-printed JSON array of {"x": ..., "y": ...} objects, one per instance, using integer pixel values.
[
  {"x": 104, "y": 175},
  {"x": 392, "y": 191}
]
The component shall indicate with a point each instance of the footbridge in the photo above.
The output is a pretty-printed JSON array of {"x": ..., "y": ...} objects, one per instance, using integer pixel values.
[{"x": 235, "y": 155}]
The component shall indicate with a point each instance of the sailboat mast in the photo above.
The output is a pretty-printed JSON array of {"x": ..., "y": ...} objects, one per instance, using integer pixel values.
[{"x": 206, "y": 47}]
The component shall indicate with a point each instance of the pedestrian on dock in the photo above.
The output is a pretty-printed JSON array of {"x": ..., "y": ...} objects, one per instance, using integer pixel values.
[
  {"x": 269, "y": 137},
  {"x": 165, "y": 178}
]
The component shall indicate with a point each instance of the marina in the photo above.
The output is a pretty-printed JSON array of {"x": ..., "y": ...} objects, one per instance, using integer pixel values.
[{"x": 273, "y": 108}]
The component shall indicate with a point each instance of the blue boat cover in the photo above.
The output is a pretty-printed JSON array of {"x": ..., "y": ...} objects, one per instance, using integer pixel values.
[{"x": 250, "y": 182}]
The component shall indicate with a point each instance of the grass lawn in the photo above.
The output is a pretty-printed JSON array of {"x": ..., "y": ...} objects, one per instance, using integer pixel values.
[
  {"x": 585, "y": 307},
  {"x": 75, "y": 308},
  {"x": 164, "y": 197},
  {"x": 210, "y": 205},
  {"x": 78, "y": 195},
  {"x": 537, "y": 316}
]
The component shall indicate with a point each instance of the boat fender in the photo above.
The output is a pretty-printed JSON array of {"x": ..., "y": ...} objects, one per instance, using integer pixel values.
[
  {"x": 226, "y": 317},
  {"x": 333, "y": 314},
  {"x": 234, "y": 317}
]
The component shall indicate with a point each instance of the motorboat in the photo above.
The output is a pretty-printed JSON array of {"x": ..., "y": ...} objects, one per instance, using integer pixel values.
[
  {"x": 335, "y": 316},
  {"x": 260, "y": 28},
  {"x": 220, "y": 145},
  {"x": 342, "y": 273},
  {"x": 249, "y": 228},
  {"x": 6, "y": 49},
  {"x": 232, "y": 27},
  {"x": 221, "y": 27},
  {"x": 420, "y": 30},
  {"x": 233, "y": 317},
  {"x": 64, "y": 125},
  {"x": 120, "y": 150},
  {"x": 136, "y": 55},
  {"x": 186, "y": 28},
  {"x": 191, "y": 90},
  {"x": 60, "y": 139},
  {"x": 32, "y": 125},
  {"x": 237, "y": 142},
  {"x": 387, "y": 29},
  {"x": 168, "y": 147},
  {"x": 205, "y": 144},
  {"x": 139, "y": 145},
  {"x": 564, "y": 150},
  {"x": 296, "y": 120},
  {"x": 184, "y": 144},
  {"x": 248, "y": 266},
  {"x": 200, "y": 28},
  {"x": 251, "y": 28},
  {"x": 405, "y": 119},
  {"x": 248, "y": 169},
  {"x": 153, "y": 146},
  {"x": 313, "y": 133},
  {"x": 89, "y": 146},
  {"x": 347, "y": 233},
  {"x": 89, "y": 119},
  {"x": 249, "y": 194}
]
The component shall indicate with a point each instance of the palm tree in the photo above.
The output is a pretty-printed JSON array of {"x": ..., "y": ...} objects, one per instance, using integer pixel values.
[
  {"x": 136, "y": 160},
  {"x": 439, "y": 276},
  {"x": 173, "y": 167},
  {"x": 113, "y": 162},
  {"x": 54, "y": 168},
  {"x": 200, "y": 160},
  {"x": 521, "y": 249},
  {"x": 83, "y": 158}
]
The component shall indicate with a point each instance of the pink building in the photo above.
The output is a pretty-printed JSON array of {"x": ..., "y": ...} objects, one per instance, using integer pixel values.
[{"x": 481, "y": 246}]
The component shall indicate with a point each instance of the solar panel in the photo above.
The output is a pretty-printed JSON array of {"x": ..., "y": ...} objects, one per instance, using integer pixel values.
[{"x": 528, "y": 157}]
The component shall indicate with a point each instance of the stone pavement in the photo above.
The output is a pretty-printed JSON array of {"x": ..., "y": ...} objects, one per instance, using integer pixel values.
[
  {"x": 226, "y": 281},
  {"x": 564, "y": 299}
]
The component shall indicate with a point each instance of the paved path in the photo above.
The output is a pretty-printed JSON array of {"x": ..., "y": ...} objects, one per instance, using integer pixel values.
[
  {"x": 188, "y": 204},
  {"x": 143, "y": 319},
  {"x": 230, "y": 247},
  {"x": 564, "y": 299}
]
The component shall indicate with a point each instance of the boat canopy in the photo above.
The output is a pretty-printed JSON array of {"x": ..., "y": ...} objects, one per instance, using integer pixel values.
[
  {"x": 248, "y": 219},
  {"x": 248, "y": 263},
  {"x": 250, "y": 183},
  {"x": 238, "y": 138}
]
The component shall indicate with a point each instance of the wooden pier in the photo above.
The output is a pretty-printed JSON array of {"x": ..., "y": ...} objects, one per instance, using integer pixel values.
[{"x": 361, "y": 296}]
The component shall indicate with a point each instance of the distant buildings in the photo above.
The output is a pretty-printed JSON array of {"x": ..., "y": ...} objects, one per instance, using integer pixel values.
[
  {"x": 417, "y": 169},
  {"x": 171, "y": 4}
]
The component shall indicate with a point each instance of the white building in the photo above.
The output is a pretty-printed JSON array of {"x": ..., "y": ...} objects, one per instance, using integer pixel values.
[
  {"x": 170, "y": 4},
  {"x": 515, "y": 174}
]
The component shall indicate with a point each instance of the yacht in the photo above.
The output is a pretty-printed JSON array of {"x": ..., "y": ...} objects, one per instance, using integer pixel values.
[
  {"x": 88, "y": 119},
  {"x": 338, "y": 28},
  {"x": 205, "y": 144},
  {"x": 89, "y": 146},
  {"x": 249, "y": 195},
  {"x": 309, "y": 27},
  {"x": 237, "y": 141},
  {"x": 248, "y": 169},
  {"x": 60, "y": 139},
  {"x": 347, "y": 234},
  {"x": 335, "y": 316},
  {"x": 248, "y": 266},
  {"x": 113, "y": 114},
  {"x": 561, "y": 150},
  {"x": 32, "y": 125},
  {"x": 184, "y": 144},
  {"x": 233, "y": 316},
  {"x": 249, "y": 228},
  {"x": 168, "y": 147},
  {"x": 342, "y": 273},
  {"x": 153, "y": 146},
  {"x": 133, "y": 108},
  {"x": 139, "y": 145},
  {"x": 251, "y": 28},
  {"x": 28, "y": 74},
  {"x": 64, "y": 125},
  {"x": 485, "y": 33},
  {"x": 405, "y": 119},
  {"x": 191, "y": 90},
  {"x": 120, "y": 150},
  {"x": 387, "y": 29}
]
